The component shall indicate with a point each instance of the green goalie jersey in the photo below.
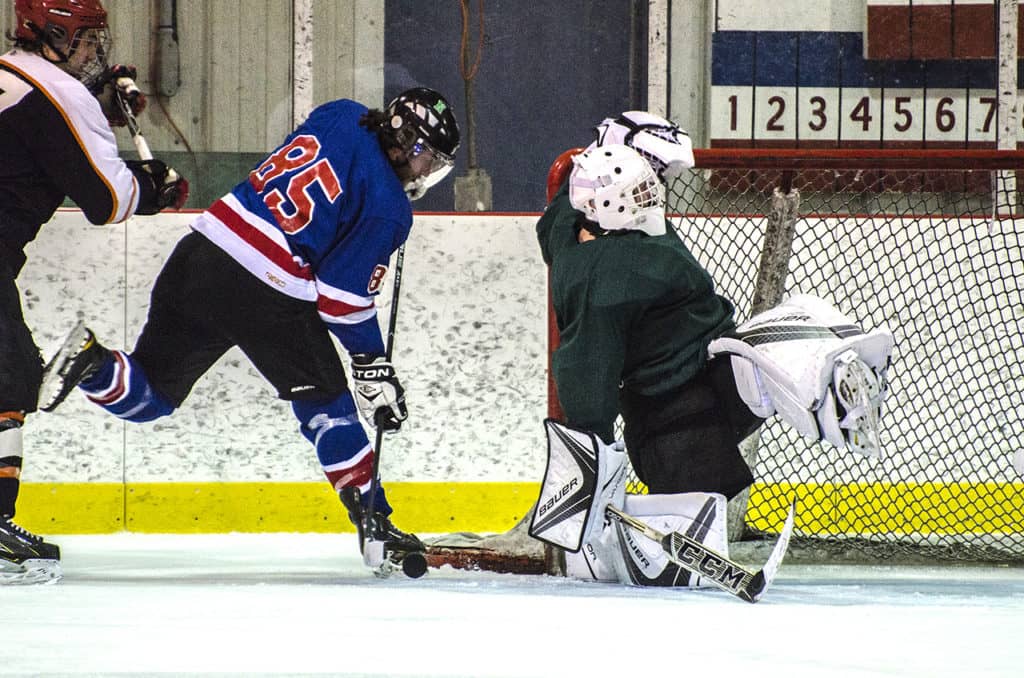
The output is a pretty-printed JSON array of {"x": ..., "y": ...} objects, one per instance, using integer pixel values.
[{"x": 634, "y": 312}]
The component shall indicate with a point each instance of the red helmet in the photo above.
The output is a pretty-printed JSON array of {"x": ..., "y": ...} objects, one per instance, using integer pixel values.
[
  {"x": 57, "y": 20},
  {"x": 61, "y": 24}
]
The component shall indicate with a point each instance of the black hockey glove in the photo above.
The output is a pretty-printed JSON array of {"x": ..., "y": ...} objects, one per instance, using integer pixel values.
[
  {"x": 379, "y": 395},
  {"x": 119, "y": 78},
  {"x": 160, "y": 186}
]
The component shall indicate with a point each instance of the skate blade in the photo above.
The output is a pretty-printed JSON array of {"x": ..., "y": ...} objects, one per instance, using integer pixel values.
[
  {"x": 31, "y": 572},
  {"x": 56, "y": 370}
]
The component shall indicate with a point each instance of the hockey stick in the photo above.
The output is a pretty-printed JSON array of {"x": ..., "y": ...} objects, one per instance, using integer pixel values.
[
  {"x": 121, "y": 95},
  {"x": 414, "y": 565},
  {"x": 141, "y": 145},
  {"x": 726, "y": 574}
]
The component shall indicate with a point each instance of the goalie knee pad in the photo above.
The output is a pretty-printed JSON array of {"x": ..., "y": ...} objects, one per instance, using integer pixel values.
[
  {"x": 815, "y": 368},
  {"x": 623, "y": 554}
]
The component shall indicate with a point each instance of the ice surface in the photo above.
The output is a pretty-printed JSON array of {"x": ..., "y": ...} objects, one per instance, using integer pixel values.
[{"x": 288, "y": 604}]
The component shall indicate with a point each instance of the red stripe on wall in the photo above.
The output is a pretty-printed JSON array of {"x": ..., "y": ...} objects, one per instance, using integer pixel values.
[
  {"x": 931, "y": 32},
  {"x": 974, "y": 32},
  {"x": 888, "y": 32},
  {"x": 954, "y": 30}
]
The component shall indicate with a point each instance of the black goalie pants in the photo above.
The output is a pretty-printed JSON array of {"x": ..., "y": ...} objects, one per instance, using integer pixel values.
[{"x": 687, "y": 440}]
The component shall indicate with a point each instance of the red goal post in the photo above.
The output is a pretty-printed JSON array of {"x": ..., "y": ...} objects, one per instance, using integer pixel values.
[{"x": 927, "y": 242}]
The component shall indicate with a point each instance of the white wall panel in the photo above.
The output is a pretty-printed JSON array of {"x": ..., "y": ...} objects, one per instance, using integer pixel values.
[
  {"x": 235, "y": 56},
  {"x": 470, "y": 348}
]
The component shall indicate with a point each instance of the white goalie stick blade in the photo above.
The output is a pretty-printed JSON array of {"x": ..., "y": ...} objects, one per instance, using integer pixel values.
[{"x": 712, "y": 566}]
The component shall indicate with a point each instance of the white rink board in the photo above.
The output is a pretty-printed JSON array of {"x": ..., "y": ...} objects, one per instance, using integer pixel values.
[{"x": 470, "y": 349}]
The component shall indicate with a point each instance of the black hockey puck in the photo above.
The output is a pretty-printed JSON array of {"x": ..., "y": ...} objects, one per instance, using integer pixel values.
[{"x": 414, "y": 565}]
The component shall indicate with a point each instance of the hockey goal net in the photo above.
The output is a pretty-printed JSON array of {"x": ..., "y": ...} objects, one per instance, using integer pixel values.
[{"x": 927, "y": 243}]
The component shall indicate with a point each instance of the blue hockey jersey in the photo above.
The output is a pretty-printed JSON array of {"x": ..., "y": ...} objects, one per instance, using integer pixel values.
[{"x": 318, "y": 220}]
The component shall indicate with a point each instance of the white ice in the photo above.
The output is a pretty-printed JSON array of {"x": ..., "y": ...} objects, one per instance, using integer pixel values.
[{"x": 287, "y": 604}]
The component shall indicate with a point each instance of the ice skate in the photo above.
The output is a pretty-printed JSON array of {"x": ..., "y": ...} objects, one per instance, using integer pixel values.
[
  {"x": 78, "y": 357},
  {"x": 25, "y": 558},
  {"x": 386, "y": 547}
]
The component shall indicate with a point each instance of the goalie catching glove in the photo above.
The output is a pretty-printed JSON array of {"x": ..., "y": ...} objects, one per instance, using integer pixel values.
[
  {"x": 816, "y": 368},
  {"x": 379, "y": 395},
  {"x": 160, "y": 186}
]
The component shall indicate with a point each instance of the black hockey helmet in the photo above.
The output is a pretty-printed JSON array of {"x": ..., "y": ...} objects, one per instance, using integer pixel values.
[
  {"x": 421, "y": 115},
  {"x": 420, "y": 121}
]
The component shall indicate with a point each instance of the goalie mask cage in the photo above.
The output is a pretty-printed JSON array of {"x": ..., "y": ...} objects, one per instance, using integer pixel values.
[{"x": 927, "y": 243}]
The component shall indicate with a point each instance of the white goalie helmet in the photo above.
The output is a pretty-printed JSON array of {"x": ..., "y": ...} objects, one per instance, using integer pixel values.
[
  {"x": 667, "y": 147},
  {"x": 616, "y": 187}
]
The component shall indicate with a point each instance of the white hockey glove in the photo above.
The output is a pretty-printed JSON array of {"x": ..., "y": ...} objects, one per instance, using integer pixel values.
[{"x": 379, "y": 395}]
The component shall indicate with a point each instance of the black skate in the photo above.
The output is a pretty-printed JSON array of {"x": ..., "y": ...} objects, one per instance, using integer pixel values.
[
  {"x": 385, "y": 548},
  {"x": 78, "y": 357},
  {"x": 25, "y": 558}
]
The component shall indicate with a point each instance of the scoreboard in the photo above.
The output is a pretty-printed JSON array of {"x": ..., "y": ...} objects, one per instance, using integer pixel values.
[{"x": 817, "y": 89}]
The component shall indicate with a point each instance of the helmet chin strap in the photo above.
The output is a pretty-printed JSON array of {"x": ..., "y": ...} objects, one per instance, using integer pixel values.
[
  {"x": 593, "y": 228},
  {"x": 416, "y": 189}
]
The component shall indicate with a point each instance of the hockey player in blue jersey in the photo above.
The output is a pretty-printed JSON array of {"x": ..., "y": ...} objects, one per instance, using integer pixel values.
[{"x": 294, "y": 253}]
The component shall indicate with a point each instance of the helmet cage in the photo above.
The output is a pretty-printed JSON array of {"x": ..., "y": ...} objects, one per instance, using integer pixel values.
[
  {"x": 616, "y": 187},
  {"x": 67, "y": 26}
]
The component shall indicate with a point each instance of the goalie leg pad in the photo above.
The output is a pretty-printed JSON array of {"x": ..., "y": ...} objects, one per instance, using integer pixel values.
[
  {"x": 595, "y": 560},
  {"x": 582, "y": 477},
  {"x": 625, "y": 555}
]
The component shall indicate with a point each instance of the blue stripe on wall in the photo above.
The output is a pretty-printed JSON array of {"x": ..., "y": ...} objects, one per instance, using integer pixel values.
[
  {"x": 819, "y": 58},
  {"x": 732, "y": 58},
  {"x": 833, "y": 59},
  {"x": 776, "y": 55},
  {"x": 851, "y": 57}
]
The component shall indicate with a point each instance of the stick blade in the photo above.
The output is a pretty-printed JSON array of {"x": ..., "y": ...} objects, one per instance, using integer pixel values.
[{"x": 763, "y": 579}]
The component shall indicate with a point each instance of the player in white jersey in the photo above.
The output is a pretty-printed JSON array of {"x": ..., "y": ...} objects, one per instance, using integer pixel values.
[{"x": 56, "y": 142}]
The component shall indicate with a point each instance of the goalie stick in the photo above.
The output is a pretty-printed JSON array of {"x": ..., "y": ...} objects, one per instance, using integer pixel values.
[{"x": 724, "y": 573}]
